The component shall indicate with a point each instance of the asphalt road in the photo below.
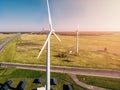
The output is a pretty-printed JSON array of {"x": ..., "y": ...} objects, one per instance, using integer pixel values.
[{"x": 69, "y": 70}]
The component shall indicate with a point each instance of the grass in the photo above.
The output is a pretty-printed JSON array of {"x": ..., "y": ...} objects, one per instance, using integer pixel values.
[
  {"x": 9, "y": 52},
  {"x": 91, "y": 51},
  {"x": 3, "y": 37},
  {"x": 109, "y": 83},
  {"x": 16, "y": 75}
]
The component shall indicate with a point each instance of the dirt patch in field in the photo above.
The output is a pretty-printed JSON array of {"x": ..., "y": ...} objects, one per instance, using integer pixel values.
[
  {"x": 27, "y": 46},
  {"x": 85, "y": 33}
]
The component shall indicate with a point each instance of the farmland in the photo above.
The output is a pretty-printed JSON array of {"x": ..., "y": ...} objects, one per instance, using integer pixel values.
[
  {"x": 95, "y": 51},
  {"x": 3, "y": 37}
]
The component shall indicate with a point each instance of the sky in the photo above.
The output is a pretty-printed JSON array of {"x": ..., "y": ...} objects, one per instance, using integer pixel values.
[{"x": 67, "y": 15}]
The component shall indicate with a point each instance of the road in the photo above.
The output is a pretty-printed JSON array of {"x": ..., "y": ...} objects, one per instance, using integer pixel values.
[
  {"x": 69, "y": 70},
  {"x": 2, "y": 45}
]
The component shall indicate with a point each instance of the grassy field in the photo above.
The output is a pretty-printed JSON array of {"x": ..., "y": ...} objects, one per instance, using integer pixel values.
[
  {"x": 17, "y": 75},
  {"x": 3, "y": 37},
  {"x": 109, "y": 83},
  {"x": 100, "y": 51}
]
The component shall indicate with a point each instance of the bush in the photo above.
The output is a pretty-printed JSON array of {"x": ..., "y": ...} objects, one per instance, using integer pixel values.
[{"x": 62, "y": 55}]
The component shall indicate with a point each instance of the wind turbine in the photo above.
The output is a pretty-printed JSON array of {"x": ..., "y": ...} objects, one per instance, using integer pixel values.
[
  {"x": 47, "y": 42},
  {"x": 77, "y": 40}
]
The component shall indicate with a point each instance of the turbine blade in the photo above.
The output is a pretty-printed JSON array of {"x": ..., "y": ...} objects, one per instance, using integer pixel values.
[
  {"x": 44, "y": 44},
  {"x": 57, "y": 36},
  {"x": 49, "y": 15}
]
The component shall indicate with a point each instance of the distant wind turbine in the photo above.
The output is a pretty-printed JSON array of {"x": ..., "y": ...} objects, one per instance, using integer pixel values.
[
  {"x": 77, "y": 40},
  {"x": 47, "y": 42}
]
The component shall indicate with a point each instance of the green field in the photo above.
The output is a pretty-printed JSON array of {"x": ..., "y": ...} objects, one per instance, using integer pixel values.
[
  {"x": 3, "y": 37},
  {"x": 109, "y": 83},
  {"x": 91, "y": 51},
  {"x": 17, "y": 75}
]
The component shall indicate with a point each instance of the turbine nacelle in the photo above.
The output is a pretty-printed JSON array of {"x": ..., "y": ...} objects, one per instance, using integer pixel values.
[{"x": 51, "y": 32}]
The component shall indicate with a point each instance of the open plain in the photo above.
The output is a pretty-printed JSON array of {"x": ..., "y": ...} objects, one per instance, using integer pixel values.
[{"x": 95, "y": 51}]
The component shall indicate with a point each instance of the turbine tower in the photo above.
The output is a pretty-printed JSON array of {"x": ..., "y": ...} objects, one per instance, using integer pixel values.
[
  {"x": 47, "y": 42},
  {"x": 77, "y": 40}
]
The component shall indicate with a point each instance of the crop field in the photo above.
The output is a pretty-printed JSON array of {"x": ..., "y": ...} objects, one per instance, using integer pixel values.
[
  {"x": 96, "y": 51},
  {"x": 17, "y": 75},
  {"x": 3, "y": 37},
  {"x": 109, "y": 83}
]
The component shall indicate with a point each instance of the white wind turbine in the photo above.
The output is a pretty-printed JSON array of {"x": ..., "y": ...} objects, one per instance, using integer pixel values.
[
  {"x": 77, "y": 40},
  {"x": 47, "y": 42}
]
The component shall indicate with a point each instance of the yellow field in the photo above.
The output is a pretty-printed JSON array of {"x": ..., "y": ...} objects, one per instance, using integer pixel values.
[
  {"x": 3, "y": 37},
  {"x": 94, "y": 51}
]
